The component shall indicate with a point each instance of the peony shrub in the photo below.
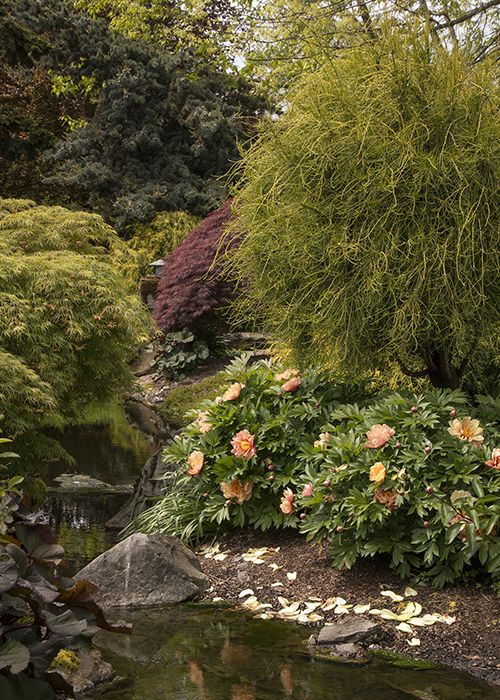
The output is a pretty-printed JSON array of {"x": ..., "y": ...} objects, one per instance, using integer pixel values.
[
  {"x": 416, "y": 477},
  {"x": 239, "y": 459}
]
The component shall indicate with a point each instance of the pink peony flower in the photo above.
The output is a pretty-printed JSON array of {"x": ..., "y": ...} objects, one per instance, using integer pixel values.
[
  {"x": 495, "y": 459},
  {"x": 292, "y": 383},
  {"x": 243, "y": 445},
  {"x": 203, "y": 423},
  {"x": 232, "y": 392},
  {"x": 387, "y": 496},
  {"x": 378, "y": 435},
  {"x": 195, "y": 461},
  {"x": 241, "y": 491},
  {"x": 467, "y": 429},
  {"x": 287, "y": 501},
  {"x": 322, "y": 442},
  {"x": 308, "y": 490},
  {"x": 285, "y": 375},
  {"x": 377, "y": 473}
]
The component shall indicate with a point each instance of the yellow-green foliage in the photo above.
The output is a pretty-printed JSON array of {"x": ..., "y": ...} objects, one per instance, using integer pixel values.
[
  {"x": 153, "y": 241},
  {"x": 66, "y": 659},
  {"x": 372, "y": 208},
  {"x": 185, "y": 398}
]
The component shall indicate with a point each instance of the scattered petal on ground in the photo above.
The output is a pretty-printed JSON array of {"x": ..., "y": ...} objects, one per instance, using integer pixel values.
[
  {"x": 247, "y": 591},
  {"x": 410, "y": 591},
  {"x": 393, "y": 596},
  {"x": 414, "y": 642},
  {"x": 404, "y": 627},
  {"x": 358, "y": 609},
  {"x": 291, "y": 576}
]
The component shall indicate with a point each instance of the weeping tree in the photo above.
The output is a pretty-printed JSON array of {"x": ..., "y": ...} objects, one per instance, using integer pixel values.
[
  {"x": 372, "y": 212},
  {"x": 68, "y": 322}
]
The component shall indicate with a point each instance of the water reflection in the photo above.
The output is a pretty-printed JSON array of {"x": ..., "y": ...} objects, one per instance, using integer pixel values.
[{"x": 222, "y": 655}]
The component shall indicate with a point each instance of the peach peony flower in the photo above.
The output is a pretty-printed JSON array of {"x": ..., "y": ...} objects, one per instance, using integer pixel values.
[
  {"x": 243, "y": 445},
  {"x": 377, "y": 473},
  {"x": 322, "y": 442},
  {"x": 467, "y": 429},
  {"x": 495, "y": 459},
  {"x": 285, "y": 375},
  {"x": 203, "y": 422},
  {"x": 232, "y": 392},
  {"x": 378, "y": 435},
  {"x": 308, "y": 490},
  {"x": 195, "y": 461},
  {"x": 292, "y": 383},
  {"x": 387, "y": 496},
  {"x": 241, "y": 491},
  {"x": 287, "y": 501}
]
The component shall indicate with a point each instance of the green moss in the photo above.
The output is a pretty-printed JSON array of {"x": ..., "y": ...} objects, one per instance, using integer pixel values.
[
  {"x": 66, "y": 659},
  {"x": 401, "y": 660},
  {"x": 185, "y": 398}
]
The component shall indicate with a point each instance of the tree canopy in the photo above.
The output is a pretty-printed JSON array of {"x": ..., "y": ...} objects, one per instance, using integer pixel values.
[
  {"x": 68, "y": 321},
  {"x": 372, "y": 211}
]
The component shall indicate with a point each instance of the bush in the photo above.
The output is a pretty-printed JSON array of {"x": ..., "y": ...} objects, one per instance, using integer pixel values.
[
  {"x": 416, "y": 477},
  {"x": 154, "y": 240},
  {"x": 40, "y": 613},
  {"x": 179, "y": 354},
  {"x": 194, "y": 285},
  {"x": 218, "y": 487},
  {"x": 413, "y": 476}
]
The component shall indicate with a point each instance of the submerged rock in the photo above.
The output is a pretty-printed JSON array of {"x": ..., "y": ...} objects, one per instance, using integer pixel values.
[{"x": 146, "y": 570}]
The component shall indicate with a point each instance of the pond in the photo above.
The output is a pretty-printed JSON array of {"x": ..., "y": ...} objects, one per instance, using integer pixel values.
[{"x": 204, "y": 653}]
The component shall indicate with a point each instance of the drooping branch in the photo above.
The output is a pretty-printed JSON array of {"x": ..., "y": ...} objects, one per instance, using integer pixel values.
[{"x": 468, "y": 15}]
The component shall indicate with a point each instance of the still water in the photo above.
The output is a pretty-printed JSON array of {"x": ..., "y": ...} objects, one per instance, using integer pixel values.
[
  {"x": 195, "y": 652},
  {"x": 188, "y": 654}
]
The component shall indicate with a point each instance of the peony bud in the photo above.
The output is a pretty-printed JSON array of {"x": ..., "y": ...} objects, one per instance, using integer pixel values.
[
  {"x": 303, "y": 516},
  {"x": 453, "y": 413},
  {"x": 427, "y": 450},
  {"x": 326, "y": 482},
  {"x": 271, "y": 467},
  {"x": 398, "y": 445},
  {"x": 271, "y": 477},
  {"x": 316, "y": 405},
  {"x": 414, "y": 409},
  {"x": 228, "y": 502},
  {"x": 426, "y": 523},
  {"x": 340, "y": 528},
  {"x": 446, "y": 489},
  {"x": 429, "y": 489},
  {"x": 205, "y": 495}
]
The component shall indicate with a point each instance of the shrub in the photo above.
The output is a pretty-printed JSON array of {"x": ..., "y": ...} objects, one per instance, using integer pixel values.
[
  {"x": 154, "y": 240},
  {"x": 241, "y": 451},
  {"x": 179, "y": 354},
  {"x": 185, "y": 398},
  {"x": 40, "y": 613},
  {"x": 416, "y": 477},
  {"x": 194, "y": 285}
]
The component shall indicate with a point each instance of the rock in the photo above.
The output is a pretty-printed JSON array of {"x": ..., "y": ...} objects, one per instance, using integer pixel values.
[
  {"x": 349, "y": 631},
  {"x": 144, "y": 418},
  {"x": 92, "y": 671},
  {"x": 145, "y": 570},
  {"x": 83, "y": 483},
  {"x": 348, "y": 651},
  {"x": 150, "y": 485}
]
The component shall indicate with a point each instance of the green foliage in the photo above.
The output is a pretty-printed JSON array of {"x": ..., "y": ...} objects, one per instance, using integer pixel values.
[
  {"x": 186, "y": 398},
  {"x": 153, "y": 241},
  {"x": 371, "y": 212},
  {"x": 40, "y": 613},
  {"x": 69, "y": 321},
  {"x": 431, "y": 502},
  {"x": 179, "y": 354},
  {"x": 280, "y": 420}
]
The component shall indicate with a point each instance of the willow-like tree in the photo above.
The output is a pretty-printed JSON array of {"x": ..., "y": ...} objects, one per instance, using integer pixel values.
[
  {"x": 67, "y": 322},
  {"x": 372, "y": 212}
]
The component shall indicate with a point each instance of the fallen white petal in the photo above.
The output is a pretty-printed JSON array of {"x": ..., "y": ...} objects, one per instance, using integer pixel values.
[
  {"x": 291, "y": 576},
  {"x": 276, "y": 584},
  {"x": 414, "y": 642},
  {"x": 283, "y": 601},
  {"x": 393, "y": 596},
  {"x": 410, "y": 591},
  {"x": 220, "y": 557},
  {"x": 404, "y": 627},
  {"x": 358, "y": 609},
  {"x": 340, "y": 609},
  {"x": 314, "y": 617},
  {"x": 274, "y": 567},
  {"x": 419, "y": 622},
  {"x": 247, "y": 591},
  {"x": 312, "y": 606},
  {"x": 217, "y": 600}
]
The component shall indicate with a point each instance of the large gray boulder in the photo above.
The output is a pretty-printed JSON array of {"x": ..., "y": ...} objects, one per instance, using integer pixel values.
[{"x": 145, "y": 570}]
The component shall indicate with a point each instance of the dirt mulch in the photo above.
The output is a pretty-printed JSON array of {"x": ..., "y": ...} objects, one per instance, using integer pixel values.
[{"x": 471, "y": 643}]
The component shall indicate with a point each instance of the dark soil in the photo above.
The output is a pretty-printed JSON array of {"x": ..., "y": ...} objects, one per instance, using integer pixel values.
[{"x": 471, "y": 643}]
